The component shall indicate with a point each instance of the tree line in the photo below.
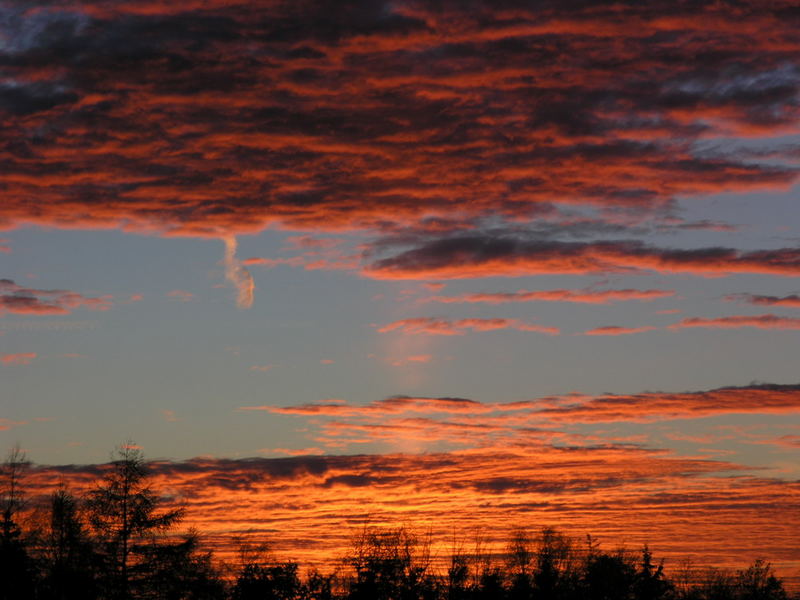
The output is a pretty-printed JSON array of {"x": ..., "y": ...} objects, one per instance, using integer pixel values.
[{"x": 117, "y": 543}]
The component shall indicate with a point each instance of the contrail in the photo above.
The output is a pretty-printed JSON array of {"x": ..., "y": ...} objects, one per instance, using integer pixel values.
[{"x": 238, "y": 275}]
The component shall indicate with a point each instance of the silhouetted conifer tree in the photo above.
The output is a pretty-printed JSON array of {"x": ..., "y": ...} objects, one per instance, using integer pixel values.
[
  {"x": 650, "y": 583},
  {"x": 553, "y": 575},
  {"x": 69, "y": 558},
  {"x": 16, "y": 566},
  {"x": 123, "y": 515}
]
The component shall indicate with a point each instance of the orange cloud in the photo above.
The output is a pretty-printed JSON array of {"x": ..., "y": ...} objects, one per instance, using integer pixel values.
[
  {"x": 17, "y": 299},
  {"x": 488, "y": 256},
  {"x": 415, "y": 358},
  {"x": 587, "y": 296},
  {"x": 181, "y": 295},
  {"x": 615, "y": 330},
  {"x": 514, "y": 421},
  {"x": 754, "y": 399},
  {"x": 20, "y": 358},
  {"x": 768, "y": 321},
  {"x": 274, "y": 262},
  {"x": 334, "y": 132},
  {"x": 792, "y": 300},
  {"x": 392, "y": 405},
  {"x": 432, "y": 326},
  {"x": 314, "y": 505}
]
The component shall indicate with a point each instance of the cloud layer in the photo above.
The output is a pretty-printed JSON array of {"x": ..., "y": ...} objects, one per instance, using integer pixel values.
[
  {"x": 310, "y": 507},
  {"x": 220, "y": 118},
  {"x": 470, "y": 256}
]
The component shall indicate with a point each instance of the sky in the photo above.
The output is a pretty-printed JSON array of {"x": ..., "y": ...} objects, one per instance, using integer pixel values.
[{"x": 461, "y": 265}]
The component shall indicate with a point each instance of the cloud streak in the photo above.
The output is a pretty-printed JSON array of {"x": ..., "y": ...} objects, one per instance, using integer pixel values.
[
  {"x": 791, "y": 301},
  {"x": 20, "y": 300},
  {"x": 768, "y": 321},
  {"x": 584, "y": 296},
  {"x": 616, "y": 330},
  {"x": 238, "y": 275},
  {"x": 433, "y": 326},
  {"x": 489, "y": 256},
  {"x": 19, "y": 358}
]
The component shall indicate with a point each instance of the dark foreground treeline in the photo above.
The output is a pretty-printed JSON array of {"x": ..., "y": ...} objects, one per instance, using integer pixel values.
[{"x": 116, "y": 544}]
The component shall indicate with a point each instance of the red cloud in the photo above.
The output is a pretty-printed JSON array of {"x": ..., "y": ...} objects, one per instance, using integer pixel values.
[
  {"x": 17, "y": 299},
  {"x": 431, "y": 326},
  {"x": 335, "y": 129},
  {"x": 21, "y": 358},
  {"x": 614, "y": 330},
  {"x": 587, "y": 296},
  {"x": 791, "y": 301},
  {"x": 755, "y": 399},
  {"x": 484, "y": 256},
  {"x": 516, "y": 420},
  {"x": 737, "y": 321}
]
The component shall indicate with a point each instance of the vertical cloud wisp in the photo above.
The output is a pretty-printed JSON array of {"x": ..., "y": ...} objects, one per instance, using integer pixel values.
[{"x": 238, "y": 275}]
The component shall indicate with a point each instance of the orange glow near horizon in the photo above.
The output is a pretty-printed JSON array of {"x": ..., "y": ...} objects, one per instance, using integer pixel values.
[{"x": 309, "y": 509}]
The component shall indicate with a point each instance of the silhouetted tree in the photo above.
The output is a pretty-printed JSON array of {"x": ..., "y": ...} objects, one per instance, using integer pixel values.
[
  {"x": 650, "y": 583},
  {"x": 68, "y": 554},
  {"x": 16, "y": 566},
  {"x": 277, "y": 582},
  {"x": 458, "y": 576},
  {"x": 490, "y": 585},
  {"x": 180, "y": 571},
  {"x": 717, "y": 585},
  {"x": 608, "y": 576},
  {"x": 318, "y": 586},
  {"x": 122, "y": 513},
  {"x": 758, "y": 582},
  {"x": 553, "y": 574},
  {"x": 391, "y": 565},
  {"x": 520, "y": 562}
]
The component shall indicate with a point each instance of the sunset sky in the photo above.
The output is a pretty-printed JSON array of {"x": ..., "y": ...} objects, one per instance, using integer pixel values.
[{"x": 449, "y": 264}]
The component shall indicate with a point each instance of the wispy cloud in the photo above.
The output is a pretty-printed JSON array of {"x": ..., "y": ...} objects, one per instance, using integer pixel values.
[
  {"x": 585, "y": 296},
  {"x": 17, "y": 299},
  {"x": 238, "y": 275},
  {"x": 433, "y": 326},
  {"x": 792, "y": 301},
  {"x": 616, "y": 330},
  {"x": 181, "y": 295},
  {"x": 20, "y": 358},
  {"x": 768, "y": 321}
]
